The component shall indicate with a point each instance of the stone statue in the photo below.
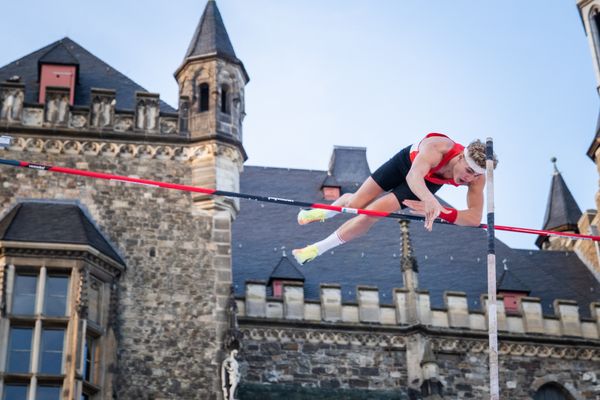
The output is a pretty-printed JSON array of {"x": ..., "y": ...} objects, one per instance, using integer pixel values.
[
  {"x": 7, "y": 105},
  {"x": 107, "y": 111},
  {"x": 51, "y": 110},
  {"x": 140, "y": 122},
  {"x": 63, "y": 108},
  {"x": 184, "y": 110},
  {"x": 151, "y": 110},
  {"x": 96, "y": 105},
  {"x": 17, "y": 106},
  {"x": 230, "y": 376}
]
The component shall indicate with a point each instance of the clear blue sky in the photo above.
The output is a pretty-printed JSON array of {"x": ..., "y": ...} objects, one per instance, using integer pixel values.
[{"x": 378, "y": 74}]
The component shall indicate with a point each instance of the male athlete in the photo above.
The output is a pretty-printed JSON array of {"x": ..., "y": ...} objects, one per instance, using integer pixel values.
[{"x": 410, "y": 179}]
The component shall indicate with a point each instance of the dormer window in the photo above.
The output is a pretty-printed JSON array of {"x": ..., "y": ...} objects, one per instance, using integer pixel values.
[
  {"x": 331, "y": 192},
  {"x": 331, "y": 188},
  {"x": 511, "y": 300},
  {"x": 63, "y": 76},
  {"x": 203, "y": 97}
]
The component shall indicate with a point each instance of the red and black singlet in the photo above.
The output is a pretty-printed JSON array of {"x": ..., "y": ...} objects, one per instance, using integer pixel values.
[{"x": 456, "y": 150}]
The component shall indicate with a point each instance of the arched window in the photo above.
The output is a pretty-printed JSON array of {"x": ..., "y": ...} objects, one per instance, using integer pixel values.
[
  {"x": 552, "y": 391},
  {"x": 203, "y": 97},
  {"x": 225, "y": 107}
]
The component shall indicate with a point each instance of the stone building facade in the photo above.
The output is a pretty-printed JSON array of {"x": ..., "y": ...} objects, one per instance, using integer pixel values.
[
  {"x": 115, "y": 291},
  {"x": 167, "y": 292}
]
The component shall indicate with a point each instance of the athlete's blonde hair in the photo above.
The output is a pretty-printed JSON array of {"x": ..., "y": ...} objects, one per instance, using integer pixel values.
[{"x": 476, "y": 150}]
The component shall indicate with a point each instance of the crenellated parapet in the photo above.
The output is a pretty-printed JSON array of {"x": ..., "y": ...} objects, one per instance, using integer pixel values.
[
  {"x": 102, "y": 115},
  {"x": 454, "y": 316}
]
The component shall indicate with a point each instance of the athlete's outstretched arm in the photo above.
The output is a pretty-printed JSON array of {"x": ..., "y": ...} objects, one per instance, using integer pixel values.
[
  {"x": 429, "y": 156},
  {"x": 469, "y": 217}
]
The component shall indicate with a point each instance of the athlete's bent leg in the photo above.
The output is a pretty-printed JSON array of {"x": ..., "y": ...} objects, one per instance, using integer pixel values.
[
  {"x": 367, "y": 192},
  {"x": 350, "y": 230}
]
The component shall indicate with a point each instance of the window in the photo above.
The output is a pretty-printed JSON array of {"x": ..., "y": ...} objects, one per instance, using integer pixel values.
[
  {"x": 89, "y": 359},
  {"x": 47, "y": 393},
  {"x": 204, "y": 97},
  {"x": 331, "y": 192},
  {"x": 57, "y": 75},
  {"x": 15, "y": 392},
  {"x": 224, "y": 99},
  {"x": 34, "y": 345},
  {"x": 19, "y": 349},
  {"x": 551, "y": 391},
  {"x": 24, "y": 295},
  {"x": 55, "y": 295},
  {"x": 51, "y": 351}
]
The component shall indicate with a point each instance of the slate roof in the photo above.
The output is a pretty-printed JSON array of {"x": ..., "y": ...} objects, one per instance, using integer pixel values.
[
  {"x": 510, "y": 283},
  {"x": 285, "y": 269},
  {"x": 59, "y": 54},
  {"x": 449, "y": 258},
  {"x": 349, "y": 167},
  {"x": 562, "y": 211},
  {"x": 211, "y": 38},
  {"x": 54, "y": 223},
  {"x": 92, "y": 73}
]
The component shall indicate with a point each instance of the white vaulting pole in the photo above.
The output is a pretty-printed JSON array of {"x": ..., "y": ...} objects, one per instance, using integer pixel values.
[{"x": 491, "y": 272}]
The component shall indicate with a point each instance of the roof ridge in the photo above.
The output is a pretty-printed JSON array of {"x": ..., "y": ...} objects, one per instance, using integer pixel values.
[{"x": 288, "y": 168}]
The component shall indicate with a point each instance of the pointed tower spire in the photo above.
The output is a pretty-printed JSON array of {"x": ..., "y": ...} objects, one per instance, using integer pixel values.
[
  {"x": 562, "y": 211},
  {"x": 210, "y": 37}
]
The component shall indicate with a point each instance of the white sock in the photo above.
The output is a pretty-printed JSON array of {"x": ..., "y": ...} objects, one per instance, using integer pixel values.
[{"x": 329, "y": 243}]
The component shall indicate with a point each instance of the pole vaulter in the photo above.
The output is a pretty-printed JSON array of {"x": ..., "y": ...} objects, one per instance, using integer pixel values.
[{"x": 268, "y": 199}]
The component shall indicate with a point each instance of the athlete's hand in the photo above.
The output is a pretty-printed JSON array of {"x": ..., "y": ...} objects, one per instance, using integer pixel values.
[{"x": 428, "y": 209}]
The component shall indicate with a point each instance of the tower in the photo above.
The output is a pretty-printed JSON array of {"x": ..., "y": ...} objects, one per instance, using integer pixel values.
[
  {"x": 143, "y": 284},
  {"x": 589, "y": 10},
  {"x": 211, "y": 101}
]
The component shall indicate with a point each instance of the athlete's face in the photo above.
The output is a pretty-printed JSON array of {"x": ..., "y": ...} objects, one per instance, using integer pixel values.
[{"x": 463, "y": 174}]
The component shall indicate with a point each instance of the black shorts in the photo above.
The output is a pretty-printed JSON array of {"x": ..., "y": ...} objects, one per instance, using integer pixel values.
[{"x": 391, "y": 176}]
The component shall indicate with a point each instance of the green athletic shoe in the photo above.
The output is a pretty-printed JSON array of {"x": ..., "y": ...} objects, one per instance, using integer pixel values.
[
  {"x": 305, "y": 254},
  {"x": 311, "y": 215}
]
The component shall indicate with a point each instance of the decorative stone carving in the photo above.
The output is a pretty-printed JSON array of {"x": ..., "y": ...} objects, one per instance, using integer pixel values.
[
  {"x": 90, "y": 148},
  {"x": 184, "y": 114},
  {"x": 71, "y": 147},
  {"x": 57, "y": 106},
  {"x": 327, "y": 337},
  {"x": 33, "y": 116},
  {"x": 78, "y": 121},
  {"x": 12, "y": 96},
  {"x": 168, "y": 126},
  {"x": 53, "y": 146},
  {"x": 128, "y": 150},
  {"x": 102, "y": 111},
  {"x": 34, "y": 145},
  {"x": 82, "y": 293},
  {"x": 230, "y": 376},
  {"x": 123, "y": 123},
  {"x": 146, "y": 111}
]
